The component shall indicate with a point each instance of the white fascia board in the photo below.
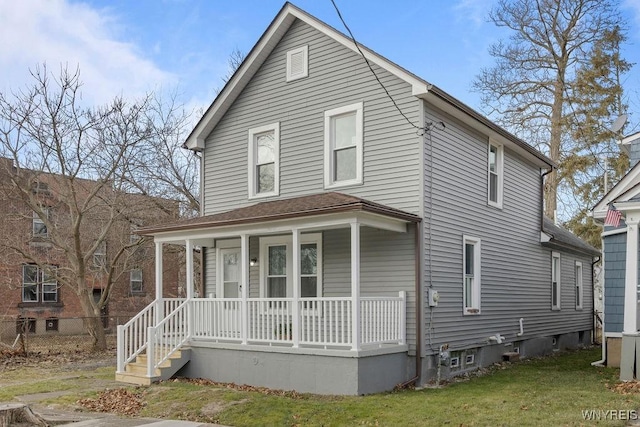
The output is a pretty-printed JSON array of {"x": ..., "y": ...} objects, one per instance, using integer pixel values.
[
  {"x": 630, "y": 180},
  {"x": 273, "y": 34},
  {"x": 259, "y": 53},
  {"x": 304, "y": 224},
  {"x": 627, "y": 140},
  {"x": 470, "y": 121}
]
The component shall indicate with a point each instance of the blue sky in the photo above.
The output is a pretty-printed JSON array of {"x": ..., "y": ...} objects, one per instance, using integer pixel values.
[{"x": 130, "y": 47}]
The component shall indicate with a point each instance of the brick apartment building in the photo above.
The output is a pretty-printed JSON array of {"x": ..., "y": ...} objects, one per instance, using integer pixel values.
[{"x": 31, "y": 296}]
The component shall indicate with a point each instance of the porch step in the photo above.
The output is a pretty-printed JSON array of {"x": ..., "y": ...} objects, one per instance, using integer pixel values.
[{"x": 136, "y": 372}]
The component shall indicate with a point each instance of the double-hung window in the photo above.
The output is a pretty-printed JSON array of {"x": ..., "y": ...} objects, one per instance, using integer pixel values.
[
  {"x": 264, "y": 161},
  {"x": 135, "y": 280},
  {"x": 39, "y": 226},
  {"x": 495, "y": 174},
  {"x": 39, "y": 284},
  {"x": 579, "y": 291},
  {"x": 555, "y": 280},
  {"x": 343, "y": 146},
  {"x": 471, "y": 275},
  {"x": 276, "y": 261},
  {"x": 100, "y": 255}
]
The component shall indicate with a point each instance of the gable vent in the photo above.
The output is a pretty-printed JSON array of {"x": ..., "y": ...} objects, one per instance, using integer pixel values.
[{"x": 297, "y": 63}]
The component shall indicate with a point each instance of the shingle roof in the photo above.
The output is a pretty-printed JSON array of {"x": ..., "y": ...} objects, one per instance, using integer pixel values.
[
  {"x": 316, "y": 204},
  {"x": 566, "y": 239}
]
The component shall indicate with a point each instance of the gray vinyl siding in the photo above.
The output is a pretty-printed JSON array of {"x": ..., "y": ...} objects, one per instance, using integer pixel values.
[
  {"x": 210, "y": 273},
  {"x": 515, "y": 268},
  {"x": 634, "y": 153},
  {"x": 337, "y": 77},
  {"x": 615, "y": 262},
  {"x": 386, "y": 267}
]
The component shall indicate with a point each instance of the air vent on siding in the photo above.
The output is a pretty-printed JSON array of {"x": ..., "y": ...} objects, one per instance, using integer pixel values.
[{"x": 297, "y": 63}]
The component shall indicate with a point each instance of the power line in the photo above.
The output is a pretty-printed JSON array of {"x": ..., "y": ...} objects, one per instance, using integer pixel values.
[{"x": 355, "y": 42}]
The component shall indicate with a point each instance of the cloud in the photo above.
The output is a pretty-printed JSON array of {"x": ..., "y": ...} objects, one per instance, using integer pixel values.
[
  {"x": 633, "y": 6},
  {"x": 475, "y": 11},
  {"x": 61, "y": 33}
]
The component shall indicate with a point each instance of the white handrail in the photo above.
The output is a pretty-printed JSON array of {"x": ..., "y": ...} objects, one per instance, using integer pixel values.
[
  {"x": 132, "y": 336},
  {"x": 167, "y": 337}
]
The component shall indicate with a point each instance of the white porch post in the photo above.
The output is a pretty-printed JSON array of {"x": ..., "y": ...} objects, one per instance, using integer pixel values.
[
  {"x": 295, "y": 312},
  {"x": 159, "y": 303},
  {"x": 630, "y": 337},
  {"x": 244, "y": 283},
  {"x": 189, "y": 275},
  {"x": 189, "y": 286},
  {"x": 355, "y": 286},
  {"x": 631, "y": 277}
]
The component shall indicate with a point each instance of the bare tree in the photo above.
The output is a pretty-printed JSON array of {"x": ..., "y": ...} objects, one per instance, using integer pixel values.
[
  {"x": 64, "y": 167},
  {"x": 528, "y": 89}
]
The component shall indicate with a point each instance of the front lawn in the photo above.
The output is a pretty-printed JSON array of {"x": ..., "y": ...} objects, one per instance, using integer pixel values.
[{"x": 558, "y": 390}]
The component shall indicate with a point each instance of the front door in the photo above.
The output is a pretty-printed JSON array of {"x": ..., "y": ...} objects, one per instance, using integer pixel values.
[{"x": 230, "y": 273}]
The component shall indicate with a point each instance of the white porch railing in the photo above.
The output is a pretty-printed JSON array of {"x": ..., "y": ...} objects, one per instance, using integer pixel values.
[
  {"x": 132, "y": 336},
  {"x": 322, "y": 322},
  {"x": 168, "y": 336}
]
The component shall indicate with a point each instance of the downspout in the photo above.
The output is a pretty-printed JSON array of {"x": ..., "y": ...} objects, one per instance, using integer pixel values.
[
  {"x": 542, "y": 197},
  {"x": 417, "y": 272},
  {"x": 603, "y": 360}
]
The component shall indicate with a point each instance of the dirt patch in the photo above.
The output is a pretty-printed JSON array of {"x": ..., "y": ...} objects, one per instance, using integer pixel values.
[{"x": 212, "y": 409}]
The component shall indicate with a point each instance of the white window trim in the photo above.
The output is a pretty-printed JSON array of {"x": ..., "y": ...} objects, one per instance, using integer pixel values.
[
  {"x": 329, "y": 183},
  {"x": 305, "y": 72},
  {"x": 287, "y": 240},
  {"x": 499, "y": 173},
  {"x": 579, "y": 286},
  {"x": 556, "y": 255},
  {"x": 253, "y": 156},
  {"x": 477, "y": 274},
  {"x": 131, "y": 290}
]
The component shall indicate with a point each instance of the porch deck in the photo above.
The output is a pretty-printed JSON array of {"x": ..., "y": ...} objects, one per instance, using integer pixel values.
[{"x": 313, "y": 324}]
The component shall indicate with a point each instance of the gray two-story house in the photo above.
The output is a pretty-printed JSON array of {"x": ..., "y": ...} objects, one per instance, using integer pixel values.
[{"x": 351, "y": 245}]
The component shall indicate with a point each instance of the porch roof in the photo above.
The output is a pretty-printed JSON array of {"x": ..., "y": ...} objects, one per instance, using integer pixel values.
[{"x": 297, "y": 207}]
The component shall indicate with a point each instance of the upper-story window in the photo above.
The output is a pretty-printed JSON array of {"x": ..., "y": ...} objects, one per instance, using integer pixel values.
[
  {"x": 135, "y": 280},
  {"x": 343, "y": 146},
  {"x": 39, "y": 227},
  {"x": 264, "y": 161},
  {"x": 298, "y": 63},
  {"x": 495, "y": 174},
  {"x": 100, "y": 255}
]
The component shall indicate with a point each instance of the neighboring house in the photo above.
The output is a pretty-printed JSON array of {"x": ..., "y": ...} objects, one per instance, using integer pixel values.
[
  {"x": 31, "y": 297},
  {"x": 347, "y": 251},
  {"x": 620, "y": 254}
]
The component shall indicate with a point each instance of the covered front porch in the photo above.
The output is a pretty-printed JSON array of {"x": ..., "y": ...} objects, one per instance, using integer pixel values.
[{"x": 329, "y": 276}]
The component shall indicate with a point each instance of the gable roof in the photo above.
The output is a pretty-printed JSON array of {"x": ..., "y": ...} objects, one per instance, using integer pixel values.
[
  {"x": 420, "y": 88},
  {"x": 626, "y": 189},
  {"x": 560, "y": 238},
  {"x": 304, "y": 206}
]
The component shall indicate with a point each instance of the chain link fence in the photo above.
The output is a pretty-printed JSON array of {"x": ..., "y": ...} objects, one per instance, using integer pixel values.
[{"x": 54, "y": 335}]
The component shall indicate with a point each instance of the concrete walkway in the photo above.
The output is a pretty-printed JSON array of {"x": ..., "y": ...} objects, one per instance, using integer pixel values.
[{"x": 60, "y": 418}]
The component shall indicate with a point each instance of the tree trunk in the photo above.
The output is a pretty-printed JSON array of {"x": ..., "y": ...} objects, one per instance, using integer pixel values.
[
  {"x": 551, "y": 183},
  {"x": 93, "y": 321},
  {"x": 19, "y": 414}
]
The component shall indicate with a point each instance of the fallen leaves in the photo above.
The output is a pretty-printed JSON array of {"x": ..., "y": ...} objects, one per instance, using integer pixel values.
[
  {"x": 240, "y": 387},
  {"x": 120, "y": 401},
  {"x": 628, "y": 387}
]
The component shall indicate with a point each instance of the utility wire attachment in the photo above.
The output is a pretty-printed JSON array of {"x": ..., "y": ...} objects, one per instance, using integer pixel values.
[{"x": 419, "y": 130}]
